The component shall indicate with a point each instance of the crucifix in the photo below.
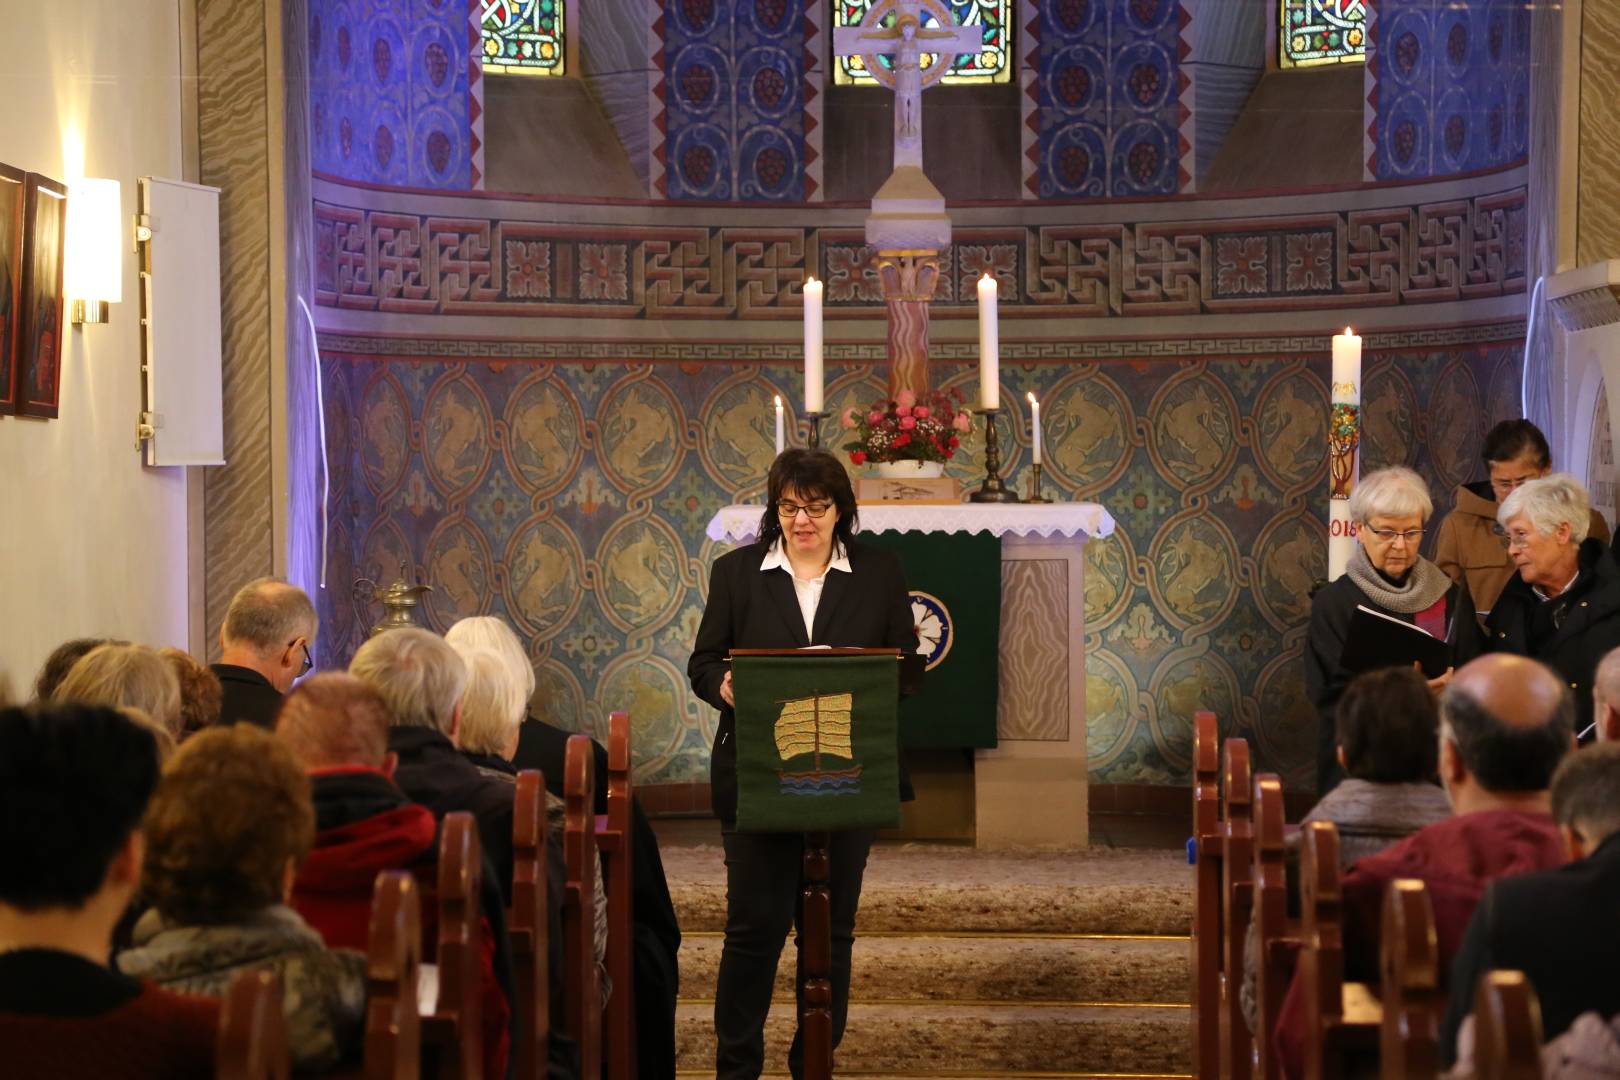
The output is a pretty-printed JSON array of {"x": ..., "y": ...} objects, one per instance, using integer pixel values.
[
  {"x": 907, "y": 40},
  {"x": 908, "y": 226}
]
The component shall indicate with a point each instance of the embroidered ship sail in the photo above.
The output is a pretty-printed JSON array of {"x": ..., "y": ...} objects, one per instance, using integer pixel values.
[{"x": 818, "y": 726}]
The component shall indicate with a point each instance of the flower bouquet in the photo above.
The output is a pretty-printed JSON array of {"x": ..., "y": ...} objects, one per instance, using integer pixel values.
[{"x": 906, "y": 429}]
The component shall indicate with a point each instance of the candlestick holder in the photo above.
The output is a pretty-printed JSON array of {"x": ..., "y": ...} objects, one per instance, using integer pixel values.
[
  {"x": 1035, "y": 495},
  {"x": 993, "y": 490},
  {"x": 812, "y": 437}
]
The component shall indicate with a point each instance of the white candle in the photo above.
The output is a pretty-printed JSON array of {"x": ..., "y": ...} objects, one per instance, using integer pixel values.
[
  {"x": 1344, "y": 390},
  {"x": 813, "y": 400},
  {"x": 779, "y": 443},
  {"x": 1035, "y": 426},
  {"x": 989, "y": 346}
]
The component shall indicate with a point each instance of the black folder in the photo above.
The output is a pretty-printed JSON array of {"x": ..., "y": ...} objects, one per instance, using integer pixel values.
[{"x": 1376, "y": 640}]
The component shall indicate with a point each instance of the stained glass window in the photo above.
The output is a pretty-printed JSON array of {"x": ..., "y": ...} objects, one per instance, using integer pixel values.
[
  {"x": 1322, "y": 32},
  {"x": 522, "y": 37},
  {"x": 992, "y": 64}
]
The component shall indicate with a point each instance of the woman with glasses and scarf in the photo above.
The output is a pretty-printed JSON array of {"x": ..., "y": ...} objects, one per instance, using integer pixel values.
[
  {"x": 805, "y": 581},
  {"x": 1563, "y": 605},
  {"x": 1389, "y": 508}
]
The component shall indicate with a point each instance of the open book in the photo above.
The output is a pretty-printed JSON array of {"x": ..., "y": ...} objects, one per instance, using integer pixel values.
[{"x": 1376, "y": 640}]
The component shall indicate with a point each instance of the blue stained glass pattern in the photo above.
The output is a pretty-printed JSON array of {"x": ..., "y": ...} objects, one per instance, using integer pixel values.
[
  {"x": 992, "y": 64},
  {"x": 523, "y": 37}
]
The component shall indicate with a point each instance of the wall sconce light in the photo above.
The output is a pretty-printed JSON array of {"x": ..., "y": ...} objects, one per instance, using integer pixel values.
[{"x": 94, "y": 269}]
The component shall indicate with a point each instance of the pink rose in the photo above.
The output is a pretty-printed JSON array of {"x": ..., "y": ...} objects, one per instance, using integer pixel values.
[
  {"x": 849, "y": 417},
  {"x": 907, "y": 423},
  {"x": 963, "y": 423},
  {"x": 905, "y": 399},
  {"x": 874, "y": 417},
  {"x": 902, "y": 410},
  {"x": 920, "y": 412}
]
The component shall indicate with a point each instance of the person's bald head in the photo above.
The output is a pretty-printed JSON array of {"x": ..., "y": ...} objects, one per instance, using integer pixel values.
[
  {"x": 1506, "y": 723},
  {"x": 1606, "y": 697},
  {"x": 269, "y": 627}
]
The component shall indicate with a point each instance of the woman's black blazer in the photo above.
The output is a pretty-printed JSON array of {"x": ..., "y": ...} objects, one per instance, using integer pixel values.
[{"x": 867, "y": 608}]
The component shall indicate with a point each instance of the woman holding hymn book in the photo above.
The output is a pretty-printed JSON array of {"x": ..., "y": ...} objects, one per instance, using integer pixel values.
[{"x": 1391, "y": 608}]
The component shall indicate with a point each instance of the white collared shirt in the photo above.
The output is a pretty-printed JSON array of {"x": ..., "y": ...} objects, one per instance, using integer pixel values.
[{"x": 808, "y": 592}]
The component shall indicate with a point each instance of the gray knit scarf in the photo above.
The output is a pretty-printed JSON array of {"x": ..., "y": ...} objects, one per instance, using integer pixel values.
[{"x": 1425, "y": 583}]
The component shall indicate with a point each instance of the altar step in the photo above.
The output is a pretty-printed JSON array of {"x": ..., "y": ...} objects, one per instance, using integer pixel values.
[{"x": 979, "y": 965}]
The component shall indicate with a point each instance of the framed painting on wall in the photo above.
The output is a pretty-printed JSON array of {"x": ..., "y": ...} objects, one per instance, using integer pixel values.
[
  {"x": 11, "y": 263},
  {"x": 39, "y": 360}
]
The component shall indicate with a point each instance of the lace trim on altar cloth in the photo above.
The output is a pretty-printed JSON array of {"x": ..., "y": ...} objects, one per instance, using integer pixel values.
[{"x": 740, "y": 524}]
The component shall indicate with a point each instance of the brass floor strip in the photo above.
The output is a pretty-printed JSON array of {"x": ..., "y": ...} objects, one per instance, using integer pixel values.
[
  {"x": 1008, "y": 935},
  {"x": 983, "y": 1003}
]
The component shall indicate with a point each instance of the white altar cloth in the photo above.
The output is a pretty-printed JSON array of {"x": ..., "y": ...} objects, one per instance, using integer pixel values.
[{"x": 739, "y": 523}]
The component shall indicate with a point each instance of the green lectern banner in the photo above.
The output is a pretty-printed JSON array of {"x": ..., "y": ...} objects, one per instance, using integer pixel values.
[
  {"x": 817, "y": 742},
  {"x": 955, "y": 583}
]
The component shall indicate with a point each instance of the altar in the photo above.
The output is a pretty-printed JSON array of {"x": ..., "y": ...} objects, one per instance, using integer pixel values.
[{"x": 1030, "y": 788}]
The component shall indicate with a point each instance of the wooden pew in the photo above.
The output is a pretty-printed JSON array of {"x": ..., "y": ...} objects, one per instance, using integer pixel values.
[
  {"x": 393, "y": 1046},
  {"x": 1507, "y": 1028},
  {"x": 582, "y": 1009},
  {"x": 614, "y": 841},
  {"x": 252, "y": 1030},
  {"x": 1340, "y": 1017},
  {"x": 1278, "y": 934},
  {"x": 1206, "y": 856},
  {"x": 1237, "y": 898},
  {"x": 528, "y": 928},
  {"x": 1409, "y": 1043},
  {"x": 455, "y": 1029}
]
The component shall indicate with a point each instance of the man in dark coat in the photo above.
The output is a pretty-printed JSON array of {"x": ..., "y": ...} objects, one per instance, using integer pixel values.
[
  {"x": 1563, "y": 605},
  {"x": 1555, "y": 925},
  {"x": 658, "y": 934},
  {"x": 265, "y": 642}
]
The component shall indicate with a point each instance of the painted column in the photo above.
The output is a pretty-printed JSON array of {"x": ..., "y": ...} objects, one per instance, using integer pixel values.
[{"x": 908, "y": 278}]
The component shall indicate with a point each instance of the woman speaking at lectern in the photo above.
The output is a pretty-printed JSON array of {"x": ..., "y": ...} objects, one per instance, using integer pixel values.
[{"x": 805, "y": 581}]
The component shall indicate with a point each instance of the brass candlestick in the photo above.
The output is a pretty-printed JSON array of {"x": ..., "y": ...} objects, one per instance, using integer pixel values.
[
  {"x": 1035, "y": 495},
  {"x": 812, "y": 437},
  {"x": 993, "y": 490}
]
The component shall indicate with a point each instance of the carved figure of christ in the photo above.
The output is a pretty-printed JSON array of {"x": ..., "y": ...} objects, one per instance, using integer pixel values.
[{"x": 907, "y": 40}]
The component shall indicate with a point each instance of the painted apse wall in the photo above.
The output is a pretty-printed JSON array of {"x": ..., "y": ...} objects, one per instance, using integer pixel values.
[{"x": 537, "y": 404}]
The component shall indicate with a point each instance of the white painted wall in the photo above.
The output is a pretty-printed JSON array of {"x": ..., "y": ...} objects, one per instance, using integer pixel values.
[{"x": 91, "y": 543}]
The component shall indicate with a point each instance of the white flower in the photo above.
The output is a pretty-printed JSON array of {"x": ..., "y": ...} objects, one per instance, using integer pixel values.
[{"x": 929, "y": 629}]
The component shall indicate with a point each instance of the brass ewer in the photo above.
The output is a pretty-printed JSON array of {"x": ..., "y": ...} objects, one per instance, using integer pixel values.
[{"x": 399, "y": 600}]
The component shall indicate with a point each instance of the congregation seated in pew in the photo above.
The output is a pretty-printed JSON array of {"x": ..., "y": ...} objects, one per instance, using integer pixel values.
[
  {"x": 229, "y": 823},
  {"x": 75, "y": 781},
  {"x": 1506, "y": 723},
  {"x": 337, "y": 726}
]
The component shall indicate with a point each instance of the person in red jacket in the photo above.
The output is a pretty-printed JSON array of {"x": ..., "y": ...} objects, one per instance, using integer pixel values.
[
  {"x": 337, "y": 726},
  {"x": 74, "y": 783},
  {"x": 1505, "y": 724}
]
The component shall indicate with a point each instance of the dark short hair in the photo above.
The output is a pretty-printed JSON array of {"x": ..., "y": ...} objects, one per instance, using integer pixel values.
[
  {"x": 1514, "y": 439},
  {"x": 60, "y": 662},
  {"x": 1387, "y": 720},
  {"x": 201, "y": 694},
  {"x": 1586, "y": 791},
  {"x": 811, "y": 473},
  {"x": 1506, "y": 757},
  {"x": 233, "y": 807},
  {"x": 74, "y": 782}
]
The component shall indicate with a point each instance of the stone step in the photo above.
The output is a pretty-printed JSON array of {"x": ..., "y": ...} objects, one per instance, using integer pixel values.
[
  {"x": 991, "y": 967},
  {"x": 951, "y": 890},
  {"x": 974, "y": 1040}
]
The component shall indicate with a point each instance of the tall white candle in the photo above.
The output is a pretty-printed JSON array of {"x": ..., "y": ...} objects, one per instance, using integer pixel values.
[
  {"x": 1035, "y": 426},
  {"x": 813, "y": 379},
  {"x": 1343, "y": 449},
  {"x": 989, "y": 346},
  {"x": 779, "y": 442}
]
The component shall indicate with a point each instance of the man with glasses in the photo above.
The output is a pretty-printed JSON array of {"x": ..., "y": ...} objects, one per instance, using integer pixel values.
[
  {"x": 269, "y": 628},
  {"x": 1386, "y": 575},
  {"x": 1470, "y": 546},
  {"x": 1563, "y": 605}
]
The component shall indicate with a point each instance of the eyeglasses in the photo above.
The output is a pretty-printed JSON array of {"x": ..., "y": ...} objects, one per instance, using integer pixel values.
[
  {"x": 1510, "y": 483},
  {"x": 788, "y": 511},
  {"x": 309, "y": 661},
  {"x": 1389, "y": 536},
  {"x": 1519, "y": 539}
]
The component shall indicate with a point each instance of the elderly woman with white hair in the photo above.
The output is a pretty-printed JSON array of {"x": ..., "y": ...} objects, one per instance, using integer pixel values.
[
  {"x": 1563, "y": 605},
  {"x": 1386, "y": 574}
]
